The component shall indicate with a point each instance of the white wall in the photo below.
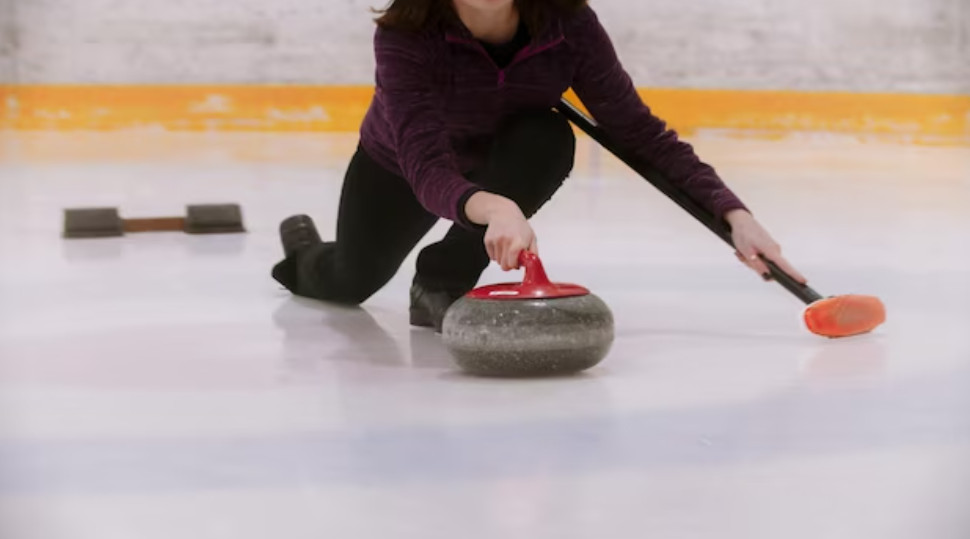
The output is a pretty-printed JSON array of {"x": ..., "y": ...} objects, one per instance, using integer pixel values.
[
  {"x": 8, "y": 33},
  {"x": 870, "y": 45}
]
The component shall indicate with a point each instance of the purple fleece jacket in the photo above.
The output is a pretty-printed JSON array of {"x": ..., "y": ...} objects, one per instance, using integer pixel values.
[{"x": 440, "y": 99}]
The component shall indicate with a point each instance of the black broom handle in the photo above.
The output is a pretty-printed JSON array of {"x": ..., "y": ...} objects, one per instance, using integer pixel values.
[{"x": 718, "y": 227}]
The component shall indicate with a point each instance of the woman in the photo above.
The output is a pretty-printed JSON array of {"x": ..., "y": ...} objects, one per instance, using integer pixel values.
[{"x": 461, "y": 127}]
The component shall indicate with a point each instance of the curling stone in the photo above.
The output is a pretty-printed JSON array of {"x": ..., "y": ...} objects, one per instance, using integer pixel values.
[{"x": 533, "y": 328}]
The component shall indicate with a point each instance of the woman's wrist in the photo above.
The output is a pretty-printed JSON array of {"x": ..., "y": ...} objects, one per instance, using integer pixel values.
[
  {"x": 736, "y": 216},
  {"x": 483, "y": 206}
]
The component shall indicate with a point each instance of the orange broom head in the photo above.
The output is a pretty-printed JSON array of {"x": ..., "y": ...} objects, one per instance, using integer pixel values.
[{"x": 844, "y": 316}]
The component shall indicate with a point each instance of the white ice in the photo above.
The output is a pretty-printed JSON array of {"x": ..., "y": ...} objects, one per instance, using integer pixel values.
[{"x": 162, "y": 386}]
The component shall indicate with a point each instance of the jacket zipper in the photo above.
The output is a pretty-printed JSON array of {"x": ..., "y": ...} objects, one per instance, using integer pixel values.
[{"x": 520, "y": 57}]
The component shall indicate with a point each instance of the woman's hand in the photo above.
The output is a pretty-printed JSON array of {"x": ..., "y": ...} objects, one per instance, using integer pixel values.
[
  {"x": 752, "y": 240},
  {"x": 508, "y": 235},
  {"x": 509, "y": 232}
]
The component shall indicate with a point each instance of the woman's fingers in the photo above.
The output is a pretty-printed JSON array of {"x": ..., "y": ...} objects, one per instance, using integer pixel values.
[
  {"x": 749, "y": 256},
  {"x": 512, "y": 256},
  {"x": 773, "y": 253},
  {"x": 508, "y": 253},
  {"x": 507, "y": 236},
  {"x": 491, "y": 249},
  {"x": 755, "y": 246},
  {"x": 503, "y": 260},
  {"x": 505, "y": 251},
  {"x": 758, "y": 265},
  {"x": 786, "y": 267}
]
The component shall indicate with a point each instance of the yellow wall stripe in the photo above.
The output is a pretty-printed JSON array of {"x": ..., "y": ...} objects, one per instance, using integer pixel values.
[{"x": 927, "y": 119}]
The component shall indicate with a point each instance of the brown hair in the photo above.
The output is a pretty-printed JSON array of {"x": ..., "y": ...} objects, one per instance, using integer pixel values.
[{"x": 415, "y": 15}]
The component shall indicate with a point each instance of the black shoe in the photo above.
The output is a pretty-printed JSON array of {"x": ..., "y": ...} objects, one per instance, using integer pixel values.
[
  {"x": 428, "y": 307},
  {"x": 298, "y": 232}
]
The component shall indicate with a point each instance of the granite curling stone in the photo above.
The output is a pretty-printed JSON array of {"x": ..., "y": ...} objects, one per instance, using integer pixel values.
[{"x": 528, "y": 329}]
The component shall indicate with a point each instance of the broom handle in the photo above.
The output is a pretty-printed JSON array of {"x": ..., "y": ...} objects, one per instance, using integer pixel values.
[{"x": 718, "y": 227}]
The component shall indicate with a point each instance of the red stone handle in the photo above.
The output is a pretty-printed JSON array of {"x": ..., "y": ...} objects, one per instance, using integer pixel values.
[
  {"x": 535, "y": 284},
  {"x": 535, "y": 274}
]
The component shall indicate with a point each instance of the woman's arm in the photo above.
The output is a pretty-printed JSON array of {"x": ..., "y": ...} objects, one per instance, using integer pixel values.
[
  {"x": 508, "y": 233},
  {"x": 607, "y": 91},
  {"x": 424, "y": 150},
  {"x": 427, "y": 159}
]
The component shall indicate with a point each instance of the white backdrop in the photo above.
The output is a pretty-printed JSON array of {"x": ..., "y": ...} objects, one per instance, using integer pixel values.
[{"x": 865, "y": 45}]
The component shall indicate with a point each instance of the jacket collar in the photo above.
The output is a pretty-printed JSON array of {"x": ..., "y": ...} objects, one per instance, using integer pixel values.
[{"x": 551, "y": 34}]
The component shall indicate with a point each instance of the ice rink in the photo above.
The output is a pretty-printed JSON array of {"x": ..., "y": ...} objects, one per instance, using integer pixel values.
[{"x": 162, "y": 386}]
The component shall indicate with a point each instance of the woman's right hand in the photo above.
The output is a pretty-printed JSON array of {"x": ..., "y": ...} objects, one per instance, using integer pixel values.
[
  {"x": 508, "y": 235},
  {"x": 509, "y": 232}
]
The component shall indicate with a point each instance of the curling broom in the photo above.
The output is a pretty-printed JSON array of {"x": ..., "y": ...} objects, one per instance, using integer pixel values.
[{"x": 837, "y": 316}]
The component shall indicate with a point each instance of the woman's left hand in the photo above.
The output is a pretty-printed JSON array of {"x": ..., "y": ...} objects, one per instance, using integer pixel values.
[{"x": 752, "y": 240}]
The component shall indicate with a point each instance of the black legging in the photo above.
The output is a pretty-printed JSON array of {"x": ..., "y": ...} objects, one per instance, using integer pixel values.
[{"x": 380, "y": 221}]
